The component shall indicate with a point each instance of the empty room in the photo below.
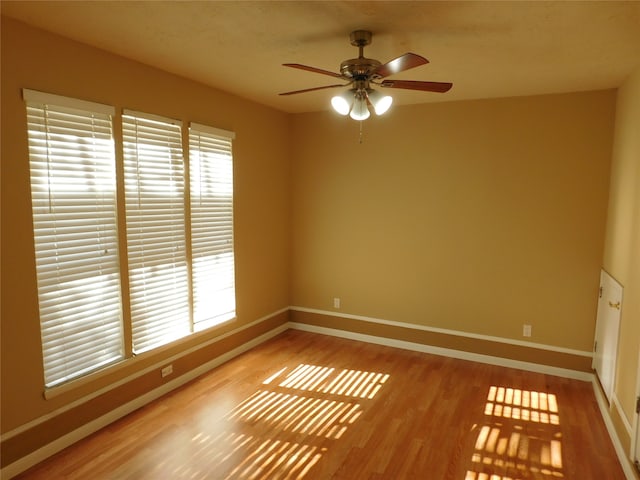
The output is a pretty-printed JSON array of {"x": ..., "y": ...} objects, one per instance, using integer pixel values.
[{"x": 320, "y": 240}]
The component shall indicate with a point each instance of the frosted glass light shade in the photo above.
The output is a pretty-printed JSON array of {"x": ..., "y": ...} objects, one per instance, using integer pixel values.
[
  {"x": 342, "y": 103},
  {"x": 360, "y": 110},
  {"x": 381, "y": 103}
]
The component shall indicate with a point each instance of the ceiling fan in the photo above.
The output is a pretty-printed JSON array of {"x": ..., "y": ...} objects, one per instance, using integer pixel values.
[{"x": 362, "y": 73}]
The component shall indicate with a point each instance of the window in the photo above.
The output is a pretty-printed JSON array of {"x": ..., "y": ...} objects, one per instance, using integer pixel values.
[
  {"x": 211, "y": 179},
  {"x": 154, "y": 191},
  {"x": 179, "y": 232},
  {"x": 73, "y": 190}
]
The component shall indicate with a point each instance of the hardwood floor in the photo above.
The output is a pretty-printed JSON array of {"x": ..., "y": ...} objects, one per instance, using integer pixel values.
[{"x": 315, "y": 407}]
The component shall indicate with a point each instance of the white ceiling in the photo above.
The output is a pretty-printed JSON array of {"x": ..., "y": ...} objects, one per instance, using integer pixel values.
[{"x": 487, "y": 49}]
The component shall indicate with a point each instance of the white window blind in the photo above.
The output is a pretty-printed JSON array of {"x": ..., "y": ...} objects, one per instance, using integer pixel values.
[
  {"x": 72, "y": 165},
  {"x": 154, "y": 197},
  {"x": 211, "y": 180}
]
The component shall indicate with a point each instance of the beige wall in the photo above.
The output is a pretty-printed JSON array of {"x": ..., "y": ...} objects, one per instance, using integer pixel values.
[
  {"x": 476, "y": 216},
  {"x": 622, "y": 246},
  {"x": 34, "y": 59}
]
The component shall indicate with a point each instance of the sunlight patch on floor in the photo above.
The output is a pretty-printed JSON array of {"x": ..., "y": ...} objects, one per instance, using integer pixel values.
[
  {"x": 520, "y": 436},
  {"x": 354, "y": 383},
  {"x": 524, "y": 405},
  {"x": 298, "y": 413}
]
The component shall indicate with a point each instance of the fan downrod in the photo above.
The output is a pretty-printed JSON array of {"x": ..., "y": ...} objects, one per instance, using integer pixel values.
[{"x": 359, "y": 68}]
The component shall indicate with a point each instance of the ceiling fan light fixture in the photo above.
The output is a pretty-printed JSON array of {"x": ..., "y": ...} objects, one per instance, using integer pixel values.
[
  {"x": 342, "y": 103},
  {"x": 362, "y": 72},
  {"x": 381, "y": 103}
]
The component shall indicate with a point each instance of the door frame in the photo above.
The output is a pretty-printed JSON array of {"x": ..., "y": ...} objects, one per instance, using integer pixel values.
[{"x": 634, "y": 454}]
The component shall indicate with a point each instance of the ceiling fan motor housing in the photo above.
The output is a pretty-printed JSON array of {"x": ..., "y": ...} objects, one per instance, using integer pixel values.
[{"x": 358, "y": 68}]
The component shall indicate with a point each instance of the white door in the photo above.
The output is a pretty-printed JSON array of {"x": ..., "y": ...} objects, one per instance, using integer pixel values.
[{"x": 607, "y": 328}]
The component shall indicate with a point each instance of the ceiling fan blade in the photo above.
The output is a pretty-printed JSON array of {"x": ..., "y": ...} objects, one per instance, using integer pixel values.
[
  {"x": 439, "y": 87},
  {"x": 315, "y": 88},
  {"x": 400, "y": 64},
  {"x": 312, "y": 69}
]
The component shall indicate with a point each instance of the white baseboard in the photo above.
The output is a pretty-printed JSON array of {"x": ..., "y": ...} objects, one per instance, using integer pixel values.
[
  {"x": 446, "y": 352},
  {"x": 445, "y": 331},
  {"x": 625, "y": 460},
  {"x": 623, "y": 415},
  {"x": 72, "y": 437}
]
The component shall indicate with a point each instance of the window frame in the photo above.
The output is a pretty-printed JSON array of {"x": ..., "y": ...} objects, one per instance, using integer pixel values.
[
  {"x": 214, "y": 147},
  {"x": 72, "y": 167}
]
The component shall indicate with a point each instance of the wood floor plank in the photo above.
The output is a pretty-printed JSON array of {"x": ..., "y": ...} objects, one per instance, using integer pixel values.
[{"x": 308, "y": 406}]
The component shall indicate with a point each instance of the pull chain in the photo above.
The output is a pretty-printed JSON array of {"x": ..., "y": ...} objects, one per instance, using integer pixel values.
[{"x": 360, "y": 140}]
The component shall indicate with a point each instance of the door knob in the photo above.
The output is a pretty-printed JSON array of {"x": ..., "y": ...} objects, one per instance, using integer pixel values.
[{"x": 614, "y": 305}]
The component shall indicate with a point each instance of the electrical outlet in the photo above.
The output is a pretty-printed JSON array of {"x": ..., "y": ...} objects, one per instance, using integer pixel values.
[
  {"x": 526, "y": 330},
  {"x": 336, "y": 302},
  {"x": 166, "y": 371}
]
